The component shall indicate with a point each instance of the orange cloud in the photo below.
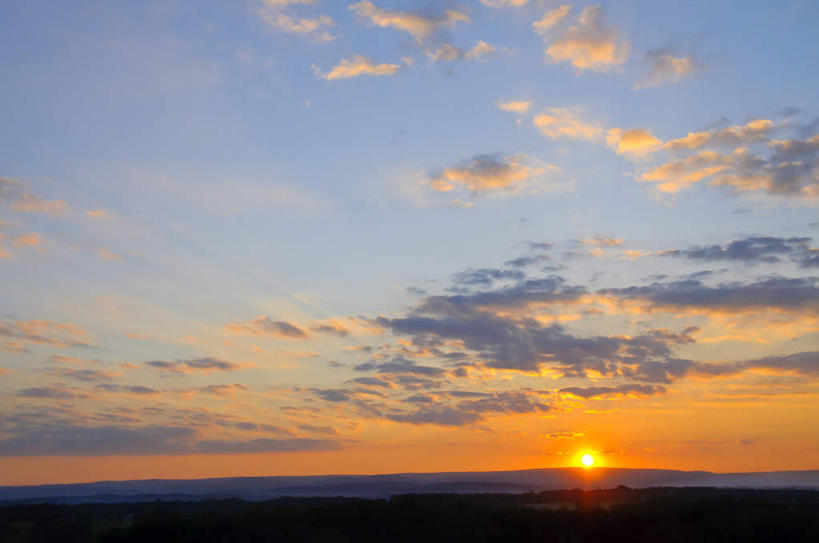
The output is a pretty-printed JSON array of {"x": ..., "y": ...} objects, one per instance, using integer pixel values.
[
  {"x": 588, "y": 45},
  {"x": 357, "y": 66}
]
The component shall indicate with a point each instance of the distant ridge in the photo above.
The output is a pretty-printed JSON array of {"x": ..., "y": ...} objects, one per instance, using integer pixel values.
[{"x": 380, "y": 486}]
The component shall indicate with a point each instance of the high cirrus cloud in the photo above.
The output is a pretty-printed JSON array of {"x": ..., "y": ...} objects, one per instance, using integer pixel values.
[{"x": 589, "y": 44}]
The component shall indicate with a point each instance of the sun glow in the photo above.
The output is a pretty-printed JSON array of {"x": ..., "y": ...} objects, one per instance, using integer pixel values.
[{"x": 587, "y": 460}]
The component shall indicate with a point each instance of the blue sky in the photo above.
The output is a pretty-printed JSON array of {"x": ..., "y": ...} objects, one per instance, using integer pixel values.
[{"x": 172, "y": 171}]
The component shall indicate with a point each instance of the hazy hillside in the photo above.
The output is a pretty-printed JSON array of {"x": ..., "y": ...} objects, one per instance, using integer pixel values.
[{"x": 373, "y": 486}]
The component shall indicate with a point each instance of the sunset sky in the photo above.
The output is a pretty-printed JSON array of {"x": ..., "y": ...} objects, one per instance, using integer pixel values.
[{"x": 264, "y": 237}]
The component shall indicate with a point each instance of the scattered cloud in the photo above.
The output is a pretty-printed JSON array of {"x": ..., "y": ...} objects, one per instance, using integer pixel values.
[
  {"x": 589, "y": 44},
  {"x": 43, "y": 332},
  {"x": 15, "y": 195},
  {"x": 420, "y": 25},
  {"x": 753, "y": 249},
  {"x": 356, "y": 66},
  {"x": 504, "y": 3},
  {"x": 559, "y": 122},
  {"x": 204, "y": 365},
  {"x": 590, "y": 393},
  {"x": 518, "y": 107},
  {"x": 636, "y": 142},
  {"x": 273, "y": 13},
  {"x": 97, "y": 214},
  {"x": 665, "y": 67},
  {"x": 264, "y": 326},
  {"x": 488, "y": 173}
]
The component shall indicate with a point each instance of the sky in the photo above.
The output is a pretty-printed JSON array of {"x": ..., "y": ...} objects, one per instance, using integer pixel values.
[{"x": 267, "y": 237}]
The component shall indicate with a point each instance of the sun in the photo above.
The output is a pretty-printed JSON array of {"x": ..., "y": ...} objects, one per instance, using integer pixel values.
[{"x": 587, "y": 460}]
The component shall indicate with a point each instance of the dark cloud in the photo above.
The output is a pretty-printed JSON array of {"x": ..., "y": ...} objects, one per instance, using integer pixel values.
[
  {"x": 484, "y": 277},
  {"x": 548, "y": 290},
  {"x": 772, "y": 292},
  {"x": 526, "y": 261},
  {"x": 264, "y": 326},
  {"x": 443, "y": 416},
  {"x": 526, "y": 344},
  {"x": 87, "y": 375},
  {"x": 135, "y": 389},
  {"x": 198, "y": 364},
  {"x": 332, "y": 328},
  {"x": 588, "y": 393},
  {"x": 752, "y": 249},
  {"x": 329, "y": 430},
  {"x": 372, "y": 381},
  {"x": 264, "y": 445},
  {"x": 806, "y": 363},
  {"x": 505, "y": 402},
  {"x": 400, "y": 365},
  {"x": 333, "y": 394},
  {"x": 69, "y": 440}
]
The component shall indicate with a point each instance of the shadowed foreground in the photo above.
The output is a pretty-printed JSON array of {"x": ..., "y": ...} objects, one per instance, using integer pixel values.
[{"x": 622, "y": 514}]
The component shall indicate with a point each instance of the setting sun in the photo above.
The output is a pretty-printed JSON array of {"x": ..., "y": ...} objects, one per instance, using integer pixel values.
[{"x": 587, "y": 460}]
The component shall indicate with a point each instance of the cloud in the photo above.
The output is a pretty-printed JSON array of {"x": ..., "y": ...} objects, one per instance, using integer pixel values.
[
  {"x": 13, "y": 193},
  {"x": 753, "y": 249},
  {"x": 418, "y": 24},
  {"x": 357, "y": 66},
  {"x": 488, "y": 173},
  {"x": 589, "y": 393},
  {"x": 561, "y": 122},
  {"x": 332, "y": 327},
  {"x": 85, "y": 375},
  {"x": 264, "y": 326},
  {"x": 108, "y": 255},
  {"x": 551, "y": 19},
  {"x": 791, "y": 294},
  {"x": 789, "y": 168},
  {"x": 753, "y": 131},
  {"x": 71, "y": 440},
  {"x": 587, "y": 45},
  {"x": 273, "y": 13},
  {"x": 664, "y": 68},
  {"x": 806, "y": 363},
  {"x": 42, "y": 332},
  {"x": 525, "y": 294},
  {"x": 597, "y": 243},
  {"x": 518, "y": 107},
  {"x": 526, "y": 345},
  {"x": 636, "y": 142},
  {"x": 107, "y": 440},
  {"x": 443, "y": 416},
  {"x": 206, "y": 364},
  {"x": 681, "y": 174},
  {"x": 97, "y": 214},
  {"x": 504, "y": 3},
  {"x": 401, "y": 366},
  {"x": 49, "y": 393},
  {"x": 484, "y": 277},
  {"x": 446, "y": 52}
]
